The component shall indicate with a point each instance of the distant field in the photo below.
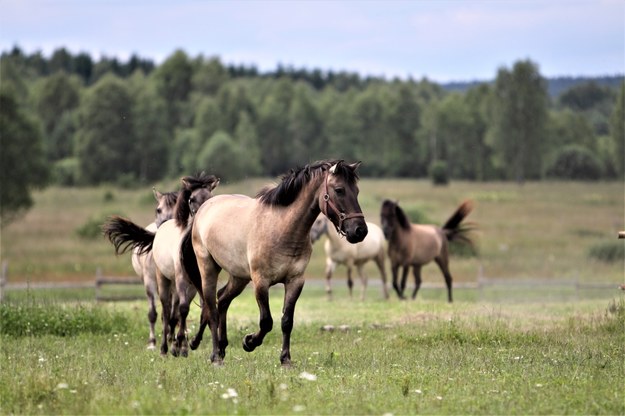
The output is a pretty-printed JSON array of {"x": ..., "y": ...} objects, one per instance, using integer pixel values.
[{"x": 535, "y": 231}]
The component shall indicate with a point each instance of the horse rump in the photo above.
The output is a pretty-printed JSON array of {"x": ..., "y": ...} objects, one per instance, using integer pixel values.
[{"x": 124, "y": 235}]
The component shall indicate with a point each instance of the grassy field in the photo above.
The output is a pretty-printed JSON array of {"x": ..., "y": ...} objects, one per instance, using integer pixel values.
[
  {"x": 536, "y": 231},
  {"x": 381, "y": 357},
  {"x": 510, "y": 349}
]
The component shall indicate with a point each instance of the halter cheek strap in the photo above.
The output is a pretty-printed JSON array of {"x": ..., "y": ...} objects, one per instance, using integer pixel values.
[{"x": 342, "y": 215}]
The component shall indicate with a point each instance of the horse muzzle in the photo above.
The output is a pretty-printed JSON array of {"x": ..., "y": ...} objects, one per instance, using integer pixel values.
[{"x": 356, "y": 230}]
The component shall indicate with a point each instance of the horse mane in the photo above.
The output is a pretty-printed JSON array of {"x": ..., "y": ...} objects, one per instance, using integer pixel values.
[
  {"x": 190, "y": 184},
  {"x": 404, "y": 222},
  {"x": 170, "y": 198},
  {"x": 291, "y": 184}
]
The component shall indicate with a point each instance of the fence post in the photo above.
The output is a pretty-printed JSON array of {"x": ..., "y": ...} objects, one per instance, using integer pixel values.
[{"x": 3, "y": 278}]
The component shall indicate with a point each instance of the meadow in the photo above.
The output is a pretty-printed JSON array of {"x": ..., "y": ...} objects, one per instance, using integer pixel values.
[
  {"x": 540, "y": 230},
  {"x": 511, "y": 352}
]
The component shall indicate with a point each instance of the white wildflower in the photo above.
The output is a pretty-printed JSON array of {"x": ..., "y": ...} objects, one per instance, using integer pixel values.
[{"x": 307, "y": 376}]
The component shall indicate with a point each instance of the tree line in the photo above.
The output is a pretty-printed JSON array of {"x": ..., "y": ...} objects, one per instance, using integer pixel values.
[{"x": 86, "y": 122}]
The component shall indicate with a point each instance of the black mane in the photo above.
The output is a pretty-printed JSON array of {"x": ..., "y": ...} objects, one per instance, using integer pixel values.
[
  {"x": 396, "y": 211},
  {"x": 293, "y": 182},
  {"x": 190, "y": 184}
]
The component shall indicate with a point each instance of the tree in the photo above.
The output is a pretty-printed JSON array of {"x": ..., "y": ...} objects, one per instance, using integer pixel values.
[
  {"x": 22, "y": 160},
  {"x": 222, "y": 157},
  {"x": 617, "y": 130},
  {"x": 149, "y": 115},
  {"x": 106, "y": 145},
  {"x": 173, "y": 82},
  {"x": 304, "y": 128},
  {"x": 247, "y": 139},
  {"x": 56, "y": 95},
  {"x": 520, "y": 120}
]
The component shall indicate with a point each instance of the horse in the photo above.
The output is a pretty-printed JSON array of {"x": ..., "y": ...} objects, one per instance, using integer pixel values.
[
  {"x": 417, "y": 244},
  {"x": 266, "y": 240},
  {"x": 338, "y": 251},
  {"x": 143, "y": 264},
  {"x": 164, "y": 244}
]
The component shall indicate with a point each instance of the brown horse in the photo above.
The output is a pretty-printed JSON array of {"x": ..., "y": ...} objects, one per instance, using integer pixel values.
[
  {"x": 266, "y": 240},
  {"x": 416, "y": 245}
]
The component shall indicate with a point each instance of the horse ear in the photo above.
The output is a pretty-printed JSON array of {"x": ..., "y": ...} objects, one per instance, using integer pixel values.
[
  {"x": 355, "y": 165},
  {"x": 185, "y": 181},
  {"x": 157, "y": 194},
  {"x": 332, "y": 169},
  {"x": 214, "y": 184}
]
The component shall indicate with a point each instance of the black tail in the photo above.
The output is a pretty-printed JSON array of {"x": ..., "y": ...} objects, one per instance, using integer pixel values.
[
  {"x": 188, "y": 260},
  {"x": 455, "y": 230},
  {"x": 125, "y": 234}
]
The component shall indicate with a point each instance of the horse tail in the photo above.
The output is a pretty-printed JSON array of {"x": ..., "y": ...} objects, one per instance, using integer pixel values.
[
  {"x": 456, "y": 230},
  {"x": 188, "y": 260},
  {"x": 124, "y": 234}
]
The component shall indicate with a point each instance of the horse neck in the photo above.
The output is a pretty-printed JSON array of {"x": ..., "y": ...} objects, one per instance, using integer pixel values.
[{"x": 302, "y": 213}]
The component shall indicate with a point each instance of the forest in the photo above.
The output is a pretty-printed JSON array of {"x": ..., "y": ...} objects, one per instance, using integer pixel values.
[{"x": 71, "y": 120}]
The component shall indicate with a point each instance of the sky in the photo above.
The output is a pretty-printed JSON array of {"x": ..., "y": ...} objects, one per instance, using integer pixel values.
[{"x": 442, "y": 40}]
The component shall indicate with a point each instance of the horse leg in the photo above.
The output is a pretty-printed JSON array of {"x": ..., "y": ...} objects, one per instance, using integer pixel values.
[
  {"x": 164, "y": 288},
  {"x": 379, "y": 261},
  {"x": 175, "y": 319},
  {"x": 443, "y": 264},
  {"x": 350, "y": 282},
  {"x": 395, "y": 270},
  {"x": 197, "y": 339},
  {"x": 416, "y": 270},
  {"x": 226, "y": 294},
  {"x": 210, "y": 315},
  {"x": 292, "y": 290},
  {"x": 404, "y": 277},
  {"x": 186, "y": 293},
  {"x": 251, "y": 341},
  {"x": 363, "y": 280},
  {"x": 151, "y": 291},
  {"x": 330, "y": 267}
]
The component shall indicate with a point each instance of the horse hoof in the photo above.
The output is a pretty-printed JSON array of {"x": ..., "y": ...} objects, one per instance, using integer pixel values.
[
  {"x": 194, "y": 344},
  {"x": 151, "y": 347},
  {"x": 184, "y": 353},
  {"x": 247, "y": 343}
]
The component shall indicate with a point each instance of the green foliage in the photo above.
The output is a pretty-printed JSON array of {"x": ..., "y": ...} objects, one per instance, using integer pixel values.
[
  {"x": 22, "y": 161},
  {"x": 438, "y": 173},
  {"x": 144, "y": 122},
  {"x": 40, "y": 318},
  {"x": 577, "y": 163},
  {"x": 91, "y": 229},
  {"x": 618, "y": 131},
  {"x": 66, "y": 171},
  {"x": 608, "y": 251},
  {"x": 222, "y": 157}
]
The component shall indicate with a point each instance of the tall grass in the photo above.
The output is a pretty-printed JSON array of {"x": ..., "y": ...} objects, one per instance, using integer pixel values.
[{"x": 381, "y": 358}]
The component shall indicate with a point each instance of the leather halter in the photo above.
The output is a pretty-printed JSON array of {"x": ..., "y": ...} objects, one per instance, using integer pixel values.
[{"x": 341, "y": 215}]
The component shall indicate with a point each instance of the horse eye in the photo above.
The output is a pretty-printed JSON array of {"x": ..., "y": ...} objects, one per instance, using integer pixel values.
[
  {"x": 158, "y": 210},
  {"x": 340, "y": 191}
]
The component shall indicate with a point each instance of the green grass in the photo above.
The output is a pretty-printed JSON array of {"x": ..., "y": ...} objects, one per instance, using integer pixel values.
[
  {"x": 390, "y": 358},
  {"x": 542, "y": 230}
]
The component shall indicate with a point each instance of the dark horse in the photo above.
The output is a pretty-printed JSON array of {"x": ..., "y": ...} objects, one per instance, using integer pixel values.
[
  {"x": 266, "y": 240},
  {"x": 417, "y": 244}
]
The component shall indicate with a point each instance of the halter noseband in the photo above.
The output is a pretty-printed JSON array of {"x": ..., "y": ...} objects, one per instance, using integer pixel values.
[{"x": 342, "y": 216}]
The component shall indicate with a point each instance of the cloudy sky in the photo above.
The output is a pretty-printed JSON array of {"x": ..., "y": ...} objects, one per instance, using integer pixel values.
[{"x": 442, "y": 40}]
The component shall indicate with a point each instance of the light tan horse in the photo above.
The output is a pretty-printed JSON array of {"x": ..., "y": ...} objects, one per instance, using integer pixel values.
[
  {"x": 339, "y": 251},
  {"x": 266, "y": 240},
  {"x": 415, "y": 245},
  {"x": 143, "y": 263},
  {"x": 175, "y": 291}
]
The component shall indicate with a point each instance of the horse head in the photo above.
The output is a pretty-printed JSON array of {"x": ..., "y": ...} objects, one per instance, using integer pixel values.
[
  {"x": 195, "y": 191},
  {"x": 392, "y": 215},
  {"x": 165, "y": 206},
  {"x": 339, "y": 201}
]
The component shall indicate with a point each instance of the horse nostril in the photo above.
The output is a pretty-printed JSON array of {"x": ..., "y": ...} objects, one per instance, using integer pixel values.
[{"x": 361, "y": 232}]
